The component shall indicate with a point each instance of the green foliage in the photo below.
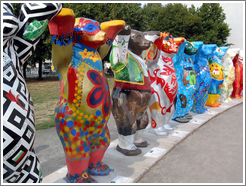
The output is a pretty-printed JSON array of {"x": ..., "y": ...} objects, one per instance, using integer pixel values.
[
  {"x": 202, "y": 24},
  {"x": 214, "y": 27},
  {"x": 151, "y": 11},
  {"x": 172, "y": 18},
  {"x": 17, "y": 7}
]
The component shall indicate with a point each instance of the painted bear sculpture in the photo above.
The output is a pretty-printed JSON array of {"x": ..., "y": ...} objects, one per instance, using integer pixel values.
[
  {"x": 217, "y": 77},
  {"x": 238, "y": 83},
  {"x": 163, "y": 80},
  {"x": 83, "y": 109},
  {"x": 186, "y": 77},
  {"x": 151, "y": 36},
  {"x": 132, "y": 91},
  {"x": 20, "y": 37},
  {"x": 229, "y": 74},
  {"x": 203, "y": 75}
]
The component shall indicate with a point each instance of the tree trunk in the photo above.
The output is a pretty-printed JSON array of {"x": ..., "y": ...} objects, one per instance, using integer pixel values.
[
  {"x": 40, "y": 70},
  {"x": 24, "y": 69}
]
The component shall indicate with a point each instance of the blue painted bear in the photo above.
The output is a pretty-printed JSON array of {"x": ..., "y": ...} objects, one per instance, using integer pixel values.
[
  {"x": 186, "y": 77},
  {"x": 203, "y": 76}
]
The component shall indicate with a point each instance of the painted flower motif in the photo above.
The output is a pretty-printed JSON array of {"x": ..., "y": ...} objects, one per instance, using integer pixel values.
[
  {"x": 99, "y": 94},
  {"x": 84, "y": 54},
  {"x": 95, "y": 57}
]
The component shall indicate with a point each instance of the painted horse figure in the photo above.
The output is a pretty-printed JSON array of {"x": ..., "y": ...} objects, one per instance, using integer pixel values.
[
  {"x": 163, "y": 80},
  {"x": 132, "y": 92},
  {"x": 83, "y": 109}
]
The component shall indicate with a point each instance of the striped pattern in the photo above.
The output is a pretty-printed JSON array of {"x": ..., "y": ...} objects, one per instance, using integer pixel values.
[{"x": 19, "y": 156}]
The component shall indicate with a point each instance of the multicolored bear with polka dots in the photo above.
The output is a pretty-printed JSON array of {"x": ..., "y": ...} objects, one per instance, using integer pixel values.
[{"x": 83, "y": 109}]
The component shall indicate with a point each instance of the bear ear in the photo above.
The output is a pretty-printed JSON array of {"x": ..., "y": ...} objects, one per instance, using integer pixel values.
[
  {"x": 127, "y": 27},
  {"x": 125, "y": 31},
  {"x": 164, "y": 34},
  {"x": 179, "y": 40}
]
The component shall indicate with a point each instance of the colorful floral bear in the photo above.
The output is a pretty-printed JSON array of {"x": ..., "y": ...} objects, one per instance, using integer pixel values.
[
  {"x": 229, "y": 75},
  {"x": 84, "y": 106},
  {"x": 217, "y": 76}
]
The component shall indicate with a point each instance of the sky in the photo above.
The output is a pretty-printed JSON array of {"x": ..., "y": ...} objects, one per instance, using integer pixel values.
[{"x": 235, "y": 18}]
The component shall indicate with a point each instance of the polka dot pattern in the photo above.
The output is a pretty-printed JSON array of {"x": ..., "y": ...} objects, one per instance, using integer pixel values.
[{"x": 81, "y": 128}]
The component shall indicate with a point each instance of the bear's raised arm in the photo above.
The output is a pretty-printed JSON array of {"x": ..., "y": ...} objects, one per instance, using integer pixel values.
[
  {"x": 112, "y": 28},
  {"x": 61, "y": 30},
  {"x": 32, "y": 22}
]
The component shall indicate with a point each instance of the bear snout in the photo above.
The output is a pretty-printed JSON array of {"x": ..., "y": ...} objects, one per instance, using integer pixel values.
[
  {"x": 100, "y": 36},
  {"x": 94, "y": 41}
]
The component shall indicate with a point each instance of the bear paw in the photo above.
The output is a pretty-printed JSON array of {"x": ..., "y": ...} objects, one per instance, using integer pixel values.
[
  {"x": 84, "y": 178},
  {"x": 100, "y": 169},
  {"x": 188, "y": 116},
  {"x": 181, "y": 119}
]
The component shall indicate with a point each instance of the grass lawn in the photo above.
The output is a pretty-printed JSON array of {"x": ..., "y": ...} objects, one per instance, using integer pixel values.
[{"x": 45, "y": 95}]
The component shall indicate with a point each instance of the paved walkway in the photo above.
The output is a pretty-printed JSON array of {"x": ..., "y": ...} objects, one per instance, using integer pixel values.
[
  {"x": 145, "y": 167},
  {"x": 212, "y": 154}
]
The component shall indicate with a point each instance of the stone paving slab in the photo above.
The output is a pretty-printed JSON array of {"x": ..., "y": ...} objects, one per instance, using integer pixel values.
[{"x": 131, "y": 169}]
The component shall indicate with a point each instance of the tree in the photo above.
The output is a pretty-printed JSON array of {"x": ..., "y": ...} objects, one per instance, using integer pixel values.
[
  {"x": 151, "y": 11},
  {"x": 173, "y": 18},
  {"x": 215, "y": 29},
  {"x": 202, "y": 24},
  {"x": 17, "y": 7},
  {"x": 42, "y": 52}
]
